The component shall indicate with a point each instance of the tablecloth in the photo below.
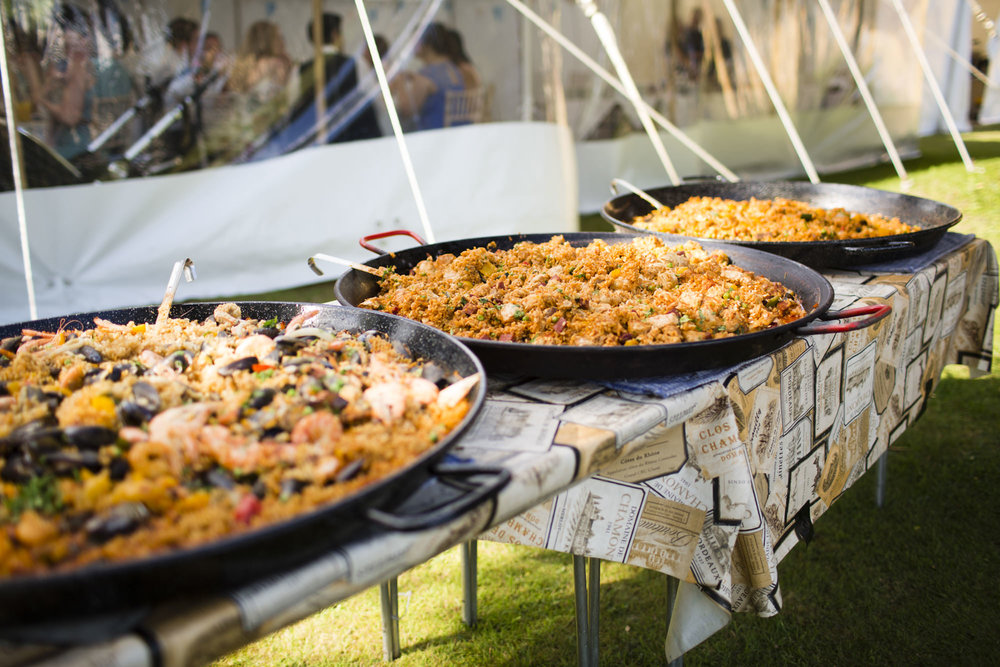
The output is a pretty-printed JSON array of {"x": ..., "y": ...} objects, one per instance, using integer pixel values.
[{"x": 715, "y": 485}]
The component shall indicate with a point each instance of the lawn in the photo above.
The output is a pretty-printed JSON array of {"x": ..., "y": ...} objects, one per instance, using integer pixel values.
[{"x": 912, "y": 582}]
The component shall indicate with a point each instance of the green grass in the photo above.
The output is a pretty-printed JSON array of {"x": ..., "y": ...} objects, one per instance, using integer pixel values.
[{"x": 911, "y": 583}]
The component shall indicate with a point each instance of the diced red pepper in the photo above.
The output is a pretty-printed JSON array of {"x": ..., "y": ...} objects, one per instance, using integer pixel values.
[
  {"x": 257, "y": 368},
  {"x": 247, "y": 508}
]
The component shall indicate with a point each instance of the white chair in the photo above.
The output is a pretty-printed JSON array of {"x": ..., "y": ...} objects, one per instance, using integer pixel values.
[{"x": 462, "y": 107}]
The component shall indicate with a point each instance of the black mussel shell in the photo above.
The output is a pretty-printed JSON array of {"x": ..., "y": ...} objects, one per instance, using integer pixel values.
[
  {"x": 67, "y": 463},
  {"x": 244, "y": 364},
  {"x": 270, "y": 332},
  {"x": 350, "y": 470},
  {"x": 179, "y": 360},
  {"x": 90, "y": 437},
  {"x": 261, "y": 398},
  {"x": 11, "y": 344},
  {"x": 119, "y": 520},
  {"x": 90, "y": 354},
  {"x": 119, "y": 468}
]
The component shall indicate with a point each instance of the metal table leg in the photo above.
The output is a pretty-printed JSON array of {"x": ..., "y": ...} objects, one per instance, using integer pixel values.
[
  {"x": 881, "y": 473},
  {"x": 582, "y": 617},
  {"x": 469, "y": 582},
  {"x": 594, "y": 604},
  {"x": 587, "y": 589},
  {"x": 389, "y": 594}
]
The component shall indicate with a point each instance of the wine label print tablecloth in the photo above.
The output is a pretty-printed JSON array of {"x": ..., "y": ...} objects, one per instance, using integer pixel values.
[{"x": 714, "y": 485}]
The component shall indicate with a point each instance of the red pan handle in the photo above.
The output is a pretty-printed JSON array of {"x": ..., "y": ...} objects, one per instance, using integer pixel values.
[
  {"x": 366, "y": 240},
  {"x": 875, "y": 311}
]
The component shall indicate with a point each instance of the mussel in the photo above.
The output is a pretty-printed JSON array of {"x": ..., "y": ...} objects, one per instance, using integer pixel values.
[
  {"x": 143, "y": 405},
  {"x": 244, "y": 364},
  {"x": 121, "y": 519},
  {"x": 90, "y": 437},
  {"x": 261, "y": 397},
  {"x": 350, "y": 470},
  {"x": 90, "y": 354},
  {"x": 68, "y": 463}
]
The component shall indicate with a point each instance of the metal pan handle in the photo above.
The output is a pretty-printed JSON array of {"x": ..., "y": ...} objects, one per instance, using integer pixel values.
[
  {"x": 876, "y": 312},
  {"x": 876, "y": 250},
  {"x": 458, "y": 477},
  {"x": 366, "y": 240}
]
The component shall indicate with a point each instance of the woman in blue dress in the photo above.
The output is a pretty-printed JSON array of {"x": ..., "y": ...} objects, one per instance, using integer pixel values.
[{"x": 420, "y": 96}]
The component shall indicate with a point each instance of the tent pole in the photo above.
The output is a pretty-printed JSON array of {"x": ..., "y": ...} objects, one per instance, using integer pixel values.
[
  {"x": 319, "y": 71},
  {"x": 594, "y": 67},
  {"x": 607, "y": 36},
  {"x": 961, "y": 60},
  {"x": 866, "y": 94},
  {"x": 397, "y": 128},
  {"x": 932, "y": 82},
  {"x": 772, "y": 91},
  {"x": 17, "y": 169},
  {"x": 527, "y": 74}
]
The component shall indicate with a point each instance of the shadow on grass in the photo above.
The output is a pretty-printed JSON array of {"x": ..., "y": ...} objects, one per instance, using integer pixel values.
[
  {"x": 527, "y": 616},
  {"x": 912, "y": 582}
]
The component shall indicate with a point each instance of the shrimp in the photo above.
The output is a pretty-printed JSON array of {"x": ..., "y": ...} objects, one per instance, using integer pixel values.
[
  {"x": 149, "y": 457},
  {"x": 423, "y": 392},
  {"x": 387, "y": 399},
  {"x": 297, "y": 321},
  {"x": 255, "y": 346},
  {"x": 107, "y": 325},
  {"x": 320, "y": 429},
  {"x": 150, "y": 359},
  {"x": 227, "y": 314},
  {"x": 181, "y": 427},
  {"x": 232, "y": 451}
]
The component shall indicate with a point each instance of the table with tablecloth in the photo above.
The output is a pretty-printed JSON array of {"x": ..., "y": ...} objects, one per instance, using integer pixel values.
[{"x": 710, "y": 477}]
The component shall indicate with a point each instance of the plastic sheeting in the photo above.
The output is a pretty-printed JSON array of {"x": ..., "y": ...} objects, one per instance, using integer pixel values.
[
  {"x": 251, "y": 228},
  {"x": 551, "y": 138}
]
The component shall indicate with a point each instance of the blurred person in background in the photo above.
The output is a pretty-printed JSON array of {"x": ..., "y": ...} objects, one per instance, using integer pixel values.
[
  {"x": 262, "y": 82},
  {"x": 378, "y": 104},
  {"x": 456, "y": 51},
  {"x": 262, "y": 69},
  {"x": 341, "y": 79},
  {"x": 420, "y": 96},
  {"x": 65, "y": 92}
]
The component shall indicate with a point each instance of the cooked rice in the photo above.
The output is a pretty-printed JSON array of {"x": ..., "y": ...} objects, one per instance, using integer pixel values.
[
  {"x": 641, "y": 292},
  {"x": 308, "y": 421},
  {"x": 767, "y": 220}
]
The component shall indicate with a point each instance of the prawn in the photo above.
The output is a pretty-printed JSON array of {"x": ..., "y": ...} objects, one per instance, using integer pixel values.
[
  {"x": 387, "y": 400},
  {"x": 299, "y": 319},
  {"x": 320, "y": 429},
  {"x": 181, "y": 427}
]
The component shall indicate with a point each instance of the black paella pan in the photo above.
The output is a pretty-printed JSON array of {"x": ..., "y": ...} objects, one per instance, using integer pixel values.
[
  {"x": 636, "y": 361},
  {"x": 933, "y": 218},
  {"x": 104, "y": 599}
]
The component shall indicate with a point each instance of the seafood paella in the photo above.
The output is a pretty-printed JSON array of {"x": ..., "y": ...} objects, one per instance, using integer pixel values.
[
  {"x": 639, "y": 292},
  {"x": 126, "y": 440},
  {"x": 771, "y": 220}
]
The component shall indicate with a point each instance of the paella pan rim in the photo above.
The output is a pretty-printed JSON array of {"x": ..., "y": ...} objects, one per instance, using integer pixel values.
[
  {"x": 38, "y": 597},
  {"x": 615, "y": 362},
  {"x": 933, "y": 218}
]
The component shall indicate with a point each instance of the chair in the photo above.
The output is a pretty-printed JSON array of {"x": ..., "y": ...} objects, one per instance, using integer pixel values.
[{"x": 463, "y": 107}]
